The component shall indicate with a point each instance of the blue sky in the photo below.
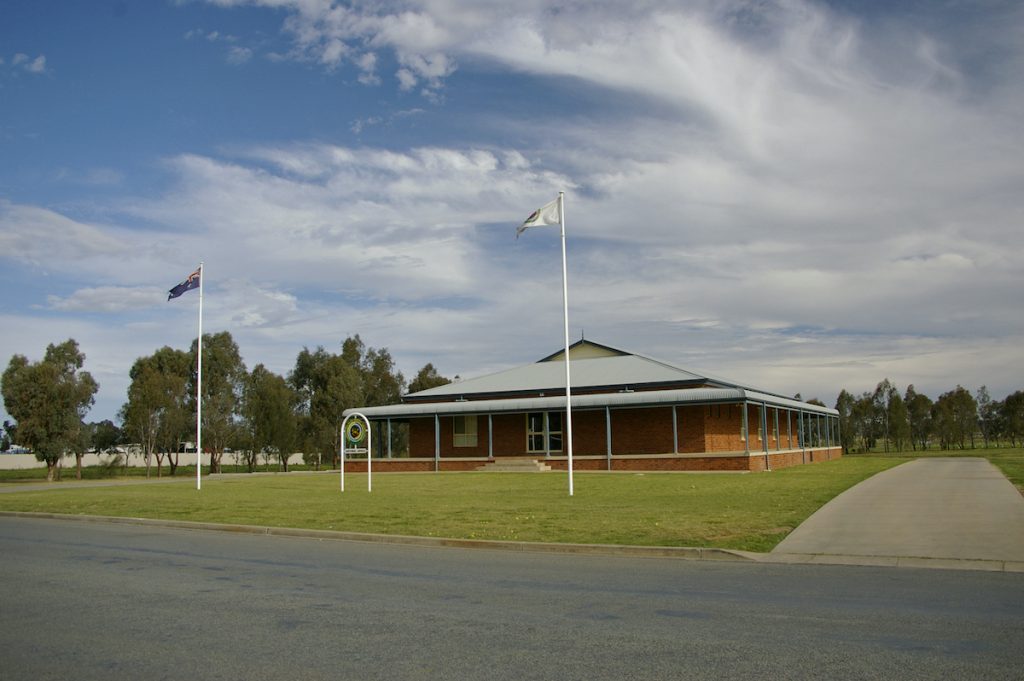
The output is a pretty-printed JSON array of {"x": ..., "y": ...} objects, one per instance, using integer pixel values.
[{"x": 803, "y": 196}]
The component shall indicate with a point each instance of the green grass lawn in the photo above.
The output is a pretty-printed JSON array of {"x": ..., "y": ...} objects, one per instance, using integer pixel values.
[{"x": 751, "y": 512}]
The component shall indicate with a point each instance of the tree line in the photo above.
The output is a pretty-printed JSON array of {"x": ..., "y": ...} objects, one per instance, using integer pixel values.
[
  {"x": 251, "y": 413},
  {"x": 884, "y": 419},
  {"x": 259, "y": 413}
]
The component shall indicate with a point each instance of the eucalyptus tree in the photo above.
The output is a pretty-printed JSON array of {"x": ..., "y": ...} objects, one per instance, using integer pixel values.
[
  {"x": 49, "y": 400},
  {"x": 899, "y": 422},
  {"x": 956, "y": 418},
  {"x": 325, "y": 384},
  {"x": 989, "y": 416},
  {"x": 919, "y": 417},
  {"x": 427, "y": 378},
  {"x": 268, "y": 416},
  {"x": 864, "y": 422},
  {"x": 844, "y": 405},
  {"x": 158, "y": 413},
  {"x": 223, "y": 378},
  {"x": 890, "y": 414},
  {"x": 1012, "y": 413},
  {"x": 381, "y": 383},
  {"x": 105, "y": 436}
]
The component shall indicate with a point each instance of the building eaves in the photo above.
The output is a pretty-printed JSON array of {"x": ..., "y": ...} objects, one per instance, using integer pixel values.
[{"x": 588, "y": 402}]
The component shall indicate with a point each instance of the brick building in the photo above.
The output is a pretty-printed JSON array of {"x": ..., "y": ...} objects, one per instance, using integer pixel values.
[{"x": 629, "y": 412}]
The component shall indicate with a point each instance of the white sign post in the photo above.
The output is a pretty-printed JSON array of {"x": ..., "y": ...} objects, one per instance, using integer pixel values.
[{"x": 356, "y": 429}]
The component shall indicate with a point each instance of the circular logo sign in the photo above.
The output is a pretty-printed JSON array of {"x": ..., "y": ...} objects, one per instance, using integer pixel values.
[{"x": 356, "y": 432}]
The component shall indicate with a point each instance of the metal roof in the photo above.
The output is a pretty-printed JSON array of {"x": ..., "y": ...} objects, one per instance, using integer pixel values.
[
  {"x": 583, "y": 402},
  {"x": 624, "y": 380},
  {"x": 625, "y": 370}
]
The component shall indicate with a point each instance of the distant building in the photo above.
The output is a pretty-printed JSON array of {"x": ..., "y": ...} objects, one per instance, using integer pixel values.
[{"x": 629, "y": 412}]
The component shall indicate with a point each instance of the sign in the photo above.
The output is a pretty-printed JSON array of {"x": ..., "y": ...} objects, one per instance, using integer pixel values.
[
  {"x": 355, "y": 430},
  {"x": 355, "y": 433}
]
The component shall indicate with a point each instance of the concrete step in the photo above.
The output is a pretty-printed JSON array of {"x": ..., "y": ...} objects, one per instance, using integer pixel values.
[{"x": 515, "y": 466}]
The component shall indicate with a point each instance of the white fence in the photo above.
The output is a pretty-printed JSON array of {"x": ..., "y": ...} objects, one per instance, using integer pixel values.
[{"x": 10, "y": 462}]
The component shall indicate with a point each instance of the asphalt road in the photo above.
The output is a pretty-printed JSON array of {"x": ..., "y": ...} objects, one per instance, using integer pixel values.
[{"x": 110, "y": 601}]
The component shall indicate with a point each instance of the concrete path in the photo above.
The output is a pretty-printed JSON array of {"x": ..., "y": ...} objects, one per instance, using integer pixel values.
[{"x": 955, "y": 509}]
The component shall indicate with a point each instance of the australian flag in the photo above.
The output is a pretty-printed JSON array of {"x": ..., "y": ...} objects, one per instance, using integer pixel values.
[{"x": 187, "y": 285}]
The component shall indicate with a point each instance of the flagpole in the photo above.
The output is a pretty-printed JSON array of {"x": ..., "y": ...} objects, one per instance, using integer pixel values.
[
  {"x": 565, "y": 311},
  {"x": 199, "y": 391}
]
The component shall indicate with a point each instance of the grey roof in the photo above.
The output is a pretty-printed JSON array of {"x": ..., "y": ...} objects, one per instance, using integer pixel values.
[
  {"x": 522, "y": 389},
  {"x": 593, "y": 401},
  {"x": 626, "y": 370}
]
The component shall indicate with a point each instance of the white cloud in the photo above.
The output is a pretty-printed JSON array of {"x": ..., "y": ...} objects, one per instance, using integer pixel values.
[
  {"x": 37, "y": 65},
  {"x": 239, "y": 55},
  {"x": 107, "y": 177},
  {"x": 779, "y": 192},
  {"x": 27, "y": 64},
  {"x": 109, "y": 299},
  {"x": 406, "y": 79},
  {"x": 37, "y": 235},
  {"x": 236, "y": 54},
  {"x": 367, "y": 64}
]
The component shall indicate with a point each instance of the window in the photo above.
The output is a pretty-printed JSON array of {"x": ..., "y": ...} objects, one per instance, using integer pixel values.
[
  {"x": 535, "y": 432},
  {"x": 539, "y": 424},
  {"x": 555, "y": 431},
  {"x": 465, "y": 431}
]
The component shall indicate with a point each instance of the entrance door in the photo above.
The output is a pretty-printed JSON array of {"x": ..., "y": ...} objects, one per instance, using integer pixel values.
[{"x": 544, "y": 432}]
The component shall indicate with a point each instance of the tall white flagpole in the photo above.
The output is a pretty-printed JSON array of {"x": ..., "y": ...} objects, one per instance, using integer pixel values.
[
  {"x": 199, "y": 390},
  {"x": 565, "y": 310}
]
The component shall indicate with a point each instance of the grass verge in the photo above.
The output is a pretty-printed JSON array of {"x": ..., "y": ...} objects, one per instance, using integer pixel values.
[{"x": 751, "y": 512}]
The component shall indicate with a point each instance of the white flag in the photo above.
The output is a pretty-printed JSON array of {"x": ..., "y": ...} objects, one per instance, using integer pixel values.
[{"x": 547, "y": 215}]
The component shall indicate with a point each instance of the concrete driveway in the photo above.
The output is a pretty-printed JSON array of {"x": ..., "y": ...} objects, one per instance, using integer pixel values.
[{"x": 946, "y": 509}]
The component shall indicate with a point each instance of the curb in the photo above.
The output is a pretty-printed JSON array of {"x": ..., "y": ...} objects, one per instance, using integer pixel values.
[
  {"x": 976, "y": 564},
  {"x": 686, "y": 553},
  {"x": 678, "y": 552}
]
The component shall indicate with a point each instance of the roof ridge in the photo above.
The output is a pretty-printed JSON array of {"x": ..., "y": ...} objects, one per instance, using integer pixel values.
[{"x": 581, "y": 341}]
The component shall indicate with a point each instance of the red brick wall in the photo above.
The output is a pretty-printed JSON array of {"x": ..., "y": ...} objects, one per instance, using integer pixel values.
[
  {"x": 412, "y": 465},
  {"x": 737, "y": 463},
  {"x": 723, "y": 427},
  {"x": 421, "y": 437},
  {"x": 642, "y": 431},
  {"x": 690, "y": 423},
  {"x": 754, "y": 462},
  {"x": 589, "y": 433},
  {"x": 634, "y": 431},
  {"x": 509, "y": 435},
  {"x": 706, "y": 428},
  {"x": 730, "y": 463},
  {"x": 794, "y": 458},
  {"x": 776, "y": 440}
]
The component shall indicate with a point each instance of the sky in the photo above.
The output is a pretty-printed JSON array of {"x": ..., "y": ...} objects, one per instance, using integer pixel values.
[{"x": 802, "y": 196}]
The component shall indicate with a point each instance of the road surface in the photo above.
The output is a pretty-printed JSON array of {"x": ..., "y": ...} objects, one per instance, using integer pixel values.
[{"x": 114, "y": 601}]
